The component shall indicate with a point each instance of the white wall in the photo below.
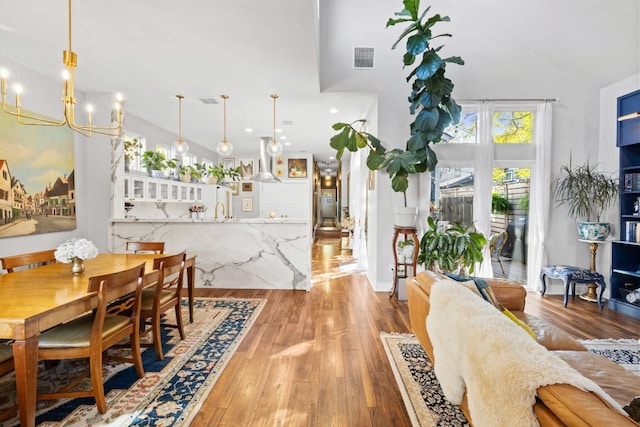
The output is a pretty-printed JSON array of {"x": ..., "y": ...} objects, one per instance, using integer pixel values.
[{"x": 567, "y": 50}]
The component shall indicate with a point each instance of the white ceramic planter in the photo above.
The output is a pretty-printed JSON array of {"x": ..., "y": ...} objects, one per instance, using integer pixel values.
[{"x": 406, "y": 217}]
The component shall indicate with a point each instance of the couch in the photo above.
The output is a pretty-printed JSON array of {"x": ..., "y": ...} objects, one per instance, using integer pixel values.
[{"x": 556, "y": 404}]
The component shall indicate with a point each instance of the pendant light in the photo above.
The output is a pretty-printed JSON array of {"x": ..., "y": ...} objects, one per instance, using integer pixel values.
[
  {"x": 224, "y": 148},
  {"x": 179, "y": 146},
  {"x": 274, "y": 148}
]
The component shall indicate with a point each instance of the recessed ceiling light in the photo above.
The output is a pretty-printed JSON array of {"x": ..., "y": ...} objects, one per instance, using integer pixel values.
[
  {"x": 333, "y": 110},
  {"x": 248, "y": 130},
  {"x": 278, "y": 130},
  {"x": 283, "y": 137},
  {"x": 287, "y": 143},
  {"x": 331, "y": 158}
]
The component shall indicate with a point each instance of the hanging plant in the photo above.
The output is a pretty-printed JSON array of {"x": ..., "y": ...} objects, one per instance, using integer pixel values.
[{"x": 430, "y": 102}]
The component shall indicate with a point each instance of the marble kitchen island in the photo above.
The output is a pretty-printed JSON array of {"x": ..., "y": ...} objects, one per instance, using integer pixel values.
[{"x": 247, "y": 253}]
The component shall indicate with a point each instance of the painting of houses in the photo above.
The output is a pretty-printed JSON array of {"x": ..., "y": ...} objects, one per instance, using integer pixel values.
[{"x": 37, "y": 180}]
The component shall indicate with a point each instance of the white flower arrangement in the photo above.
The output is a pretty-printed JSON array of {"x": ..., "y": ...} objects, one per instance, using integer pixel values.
[{"x": 81, "y": 248}]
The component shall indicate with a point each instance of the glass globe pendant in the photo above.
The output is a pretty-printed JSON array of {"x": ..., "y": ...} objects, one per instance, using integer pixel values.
[
  {"x": 179, "y": 146},
  {"x": 224, "y": 147},
  {"x": 274, "y": 148}
]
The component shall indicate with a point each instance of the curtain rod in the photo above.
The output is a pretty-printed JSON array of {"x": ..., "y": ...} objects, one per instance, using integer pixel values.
[{"x": 511, "y": 100}]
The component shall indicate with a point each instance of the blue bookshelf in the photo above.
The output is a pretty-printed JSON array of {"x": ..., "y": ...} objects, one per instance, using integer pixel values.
[{"x": 625, "y": 253}]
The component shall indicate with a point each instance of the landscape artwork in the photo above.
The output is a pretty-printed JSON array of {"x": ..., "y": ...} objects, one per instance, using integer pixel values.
[{"x": 37, "y": 184}]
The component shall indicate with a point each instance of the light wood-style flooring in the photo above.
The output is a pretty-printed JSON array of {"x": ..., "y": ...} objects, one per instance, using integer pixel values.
[{"x": 315, "y": 358}]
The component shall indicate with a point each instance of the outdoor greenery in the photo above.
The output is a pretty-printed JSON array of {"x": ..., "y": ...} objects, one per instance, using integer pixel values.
[
  {"x": 585, "y": 191},
  {"x": 430, "y": 98},
  {"x": 499, "y": 203},
  {"x": 132, "y": 148},
  {"x": 453, "y": 249}
]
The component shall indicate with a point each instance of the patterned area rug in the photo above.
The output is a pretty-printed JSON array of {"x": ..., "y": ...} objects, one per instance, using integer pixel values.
[
  {"x": 421, "y": 392},
  {"x": 623, "y": 352},
  {"x": 171, "y": 391}
]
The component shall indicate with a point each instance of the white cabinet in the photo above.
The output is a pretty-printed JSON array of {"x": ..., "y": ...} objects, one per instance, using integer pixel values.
[{"x": 144, "y": 189}]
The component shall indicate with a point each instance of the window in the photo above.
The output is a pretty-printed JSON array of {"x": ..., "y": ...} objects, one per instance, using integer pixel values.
[{"x": 492, "y": 158}]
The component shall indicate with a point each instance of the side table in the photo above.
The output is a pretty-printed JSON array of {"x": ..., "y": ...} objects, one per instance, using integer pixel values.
[{"x": 406, "y": 231}]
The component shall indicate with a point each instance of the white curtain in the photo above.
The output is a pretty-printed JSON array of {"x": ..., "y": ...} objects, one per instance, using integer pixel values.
[
  {"x": 483, "y": 183},
  {"x": 540, "y": 196}
]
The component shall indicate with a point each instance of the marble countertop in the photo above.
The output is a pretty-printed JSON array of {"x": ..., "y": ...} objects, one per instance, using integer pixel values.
[{"x": 211, "y": 220}]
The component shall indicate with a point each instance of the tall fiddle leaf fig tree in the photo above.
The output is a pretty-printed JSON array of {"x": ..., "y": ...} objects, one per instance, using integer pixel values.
[{"x": 430, "y": 102}]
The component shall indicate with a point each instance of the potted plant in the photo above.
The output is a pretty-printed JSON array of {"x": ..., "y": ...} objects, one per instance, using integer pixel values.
[
  {"x": 430, "y": 101},
  {"x": 499, "y": 204},
  {"x": 587, "y": 194},
  {"x": 454, "y": 248},
  {"x": 132, "y": 149},
  {"x": 155, "y": 162},
  {"x": 184, "y": 173}
]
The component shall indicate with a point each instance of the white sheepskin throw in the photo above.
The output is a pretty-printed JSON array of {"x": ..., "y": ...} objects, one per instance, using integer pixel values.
[{"x": 502, "y": 367}]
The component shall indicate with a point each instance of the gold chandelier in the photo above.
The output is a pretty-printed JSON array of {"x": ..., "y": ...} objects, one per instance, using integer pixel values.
[
  {"x": 275, "y": 147},
  {"x": 224, "y": 147},
  {"x": 70, "y": 60}
]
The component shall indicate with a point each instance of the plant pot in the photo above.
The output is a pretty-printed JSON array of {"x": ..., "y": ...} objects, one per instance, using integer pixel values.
[
  {"x": 405, "y": 217},
  {"x": 594, "y": 230},
  {"x": 158, "y": 174},
  {"x": 212, "y": 180},
  {"x": 185, "y": 178}
]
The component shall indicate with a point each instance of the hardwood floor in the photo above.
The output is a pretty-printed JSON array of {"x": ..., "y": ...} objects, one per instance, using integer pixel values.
[{"x": 315, "y": 358}]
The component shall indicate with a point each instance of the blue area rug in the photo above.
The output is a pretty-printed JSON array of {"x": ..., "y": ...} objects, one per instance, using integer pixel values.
[{"x": 171, "y": 391}]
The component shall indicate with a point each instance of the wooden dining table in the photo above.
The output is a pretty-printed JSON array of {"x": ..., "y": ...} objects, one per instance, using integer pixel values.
[{"x": 36, "y": 299}]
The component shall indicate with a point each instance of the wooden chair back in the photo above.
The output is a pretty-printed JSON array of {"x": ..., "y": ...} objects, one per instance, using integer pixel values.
[
  {"x": 163, "y": 296},
  {"x": 12, "y": 262},
  {"x": 116, "y": 316},
  {"x": 145, "y": 247}
]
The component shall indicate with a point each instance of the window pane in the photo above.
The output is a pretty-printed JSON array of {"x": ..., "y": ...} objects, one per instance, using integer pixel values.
[
  {"x": 513, "y": 127},
  {"x": 466, "y": 131},
  {"x": 510, "y": 213},
  {"x": 452, "y": 195}
]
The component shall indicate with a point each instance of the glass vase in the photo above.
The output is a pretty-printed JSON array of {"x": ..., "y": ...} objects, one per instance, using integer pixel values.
[{"x": 77, "y": 265}]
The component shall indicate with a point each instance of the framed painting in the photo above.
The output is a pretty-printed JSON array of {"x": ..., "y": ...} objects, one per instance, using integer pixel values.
[
  {"x": 229, "y": 162},
  {"x": 247, "y": 168},
  {"x": 235, "y": 188},
  {"x": 279, "y": 169},
  {"x": 247, "y": 204},
  {"x": 247, "y": 186},
  {"x": 297, "y": 168},
  {"x": 37, "y": 178}
]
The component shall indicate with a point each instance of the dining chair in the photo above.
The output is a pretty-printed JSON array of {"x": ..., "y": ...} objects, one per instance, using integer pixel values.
[
  {"x": 6, "y": 366},
  {"x": 496, "y": 243},
  {"x": 162, "y": 296},
  {"x": 145, "y": 247},
  {"x": 9, "y": 263},
  {"x": 115, "y": 299}
]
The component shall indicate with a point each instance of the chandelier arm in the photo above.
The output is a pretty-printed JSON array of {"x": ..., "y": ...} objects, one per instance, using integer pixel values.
[{"x": 70, "y": 62}]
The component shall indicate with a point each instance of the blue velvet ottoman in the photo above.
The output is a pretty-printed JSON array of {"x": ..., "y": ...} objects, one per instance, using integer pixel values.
[{"x": 570, "y": 276}]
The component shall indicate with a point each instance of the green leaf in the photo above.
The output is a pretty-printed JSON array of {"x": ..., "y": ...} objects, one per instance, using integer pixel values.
[
  {"x": 352, "y": 143},
  {"x": 430, "y": 99},
  {"x": 399, "y": 184},
  {"x": 455, "y": 60},
  {"x": 361, "y": 139},
  {"x": 427, "y": 119},
  {"x": 340, "y": 140},
  {"x": 412, "y": 7},
  {"x": 418, "y": 43},
  {"x": 375, "y": 161},
  {"x": 338, "y": 126},
  {"x": 430, "y": 64}
]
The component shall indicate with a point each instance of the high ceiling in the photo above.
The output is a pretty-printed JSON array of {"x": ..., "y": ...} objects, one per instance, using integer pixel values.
[{"x": 152, "y": 50}]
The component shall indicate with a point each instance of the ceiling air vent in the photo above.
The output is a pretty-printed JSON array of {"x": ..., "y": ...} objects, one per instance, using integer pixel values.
[
  {"x": 209, "y": 101},
  {"x": 363, "y": 57}
]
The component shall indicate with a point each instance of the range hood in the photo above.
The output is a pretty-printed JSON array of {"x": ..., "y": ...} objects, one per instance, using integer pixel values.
[{"x": 264, "y": 169}]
